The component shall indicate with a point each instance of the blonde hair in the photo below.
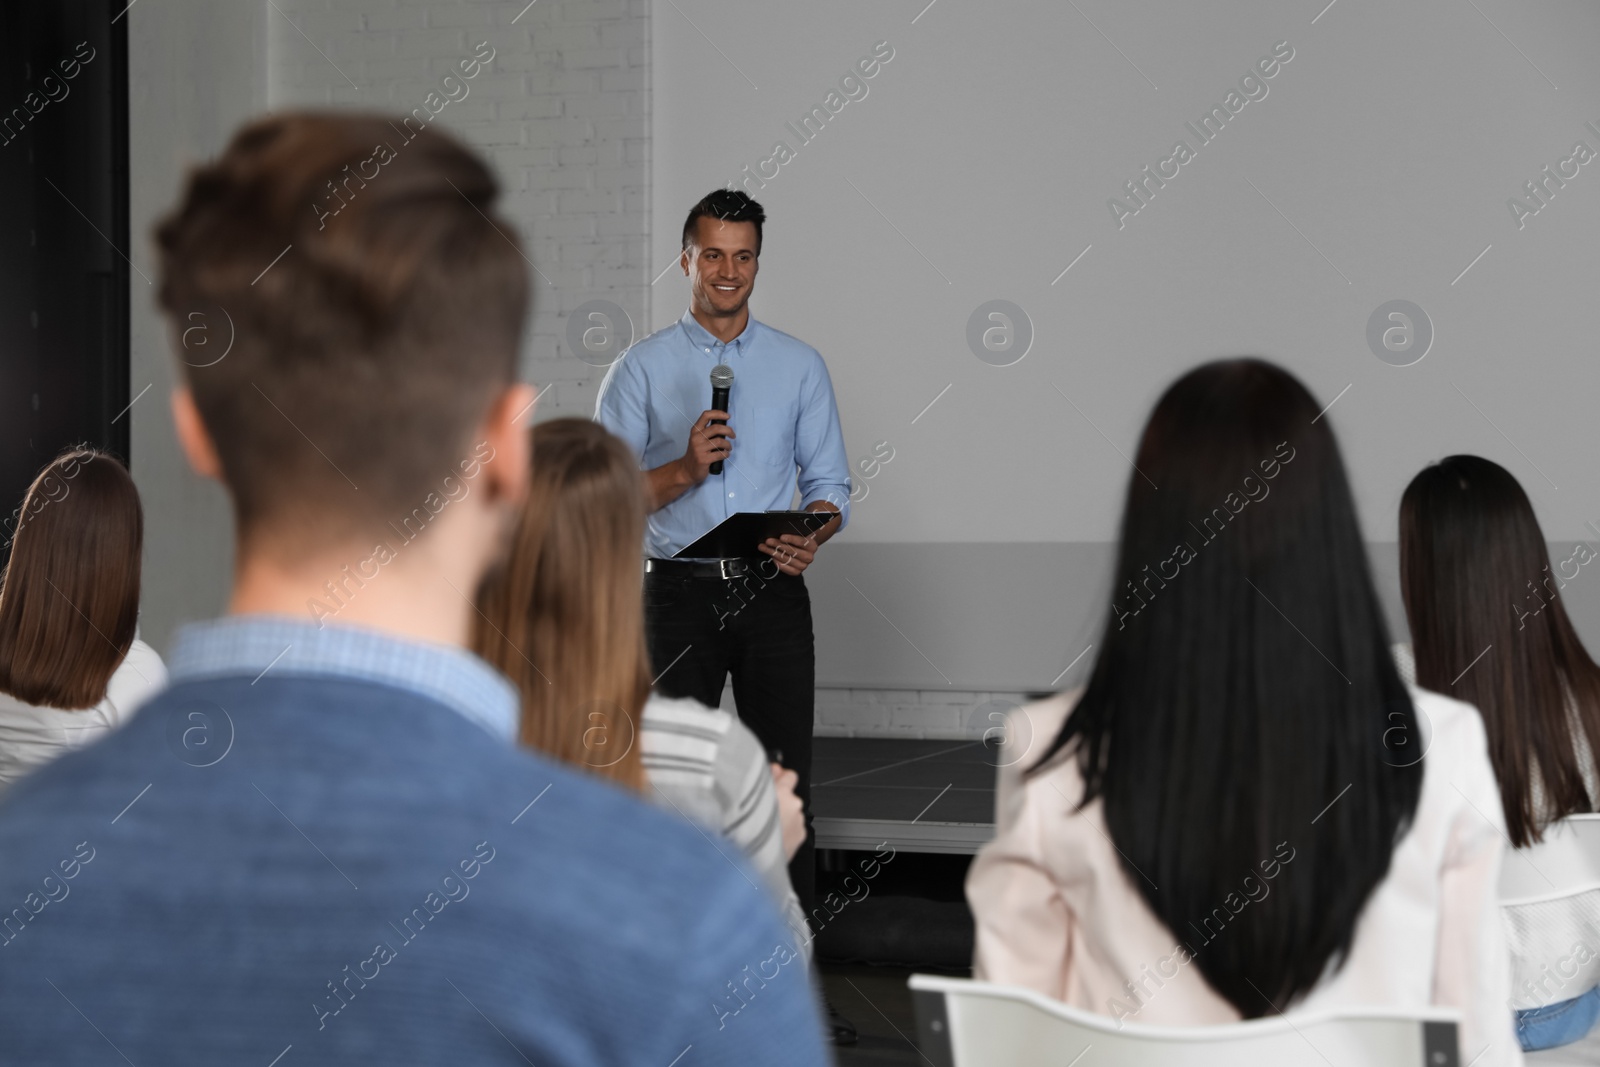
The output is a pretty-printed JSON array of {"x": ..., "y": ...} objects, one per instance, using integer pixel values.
[{"x": 563, "y": 615}]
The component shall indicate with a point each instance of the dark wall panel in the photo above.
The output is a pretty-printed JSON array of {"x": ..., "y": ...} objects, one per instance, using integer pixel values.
[{"x": 63, "y": 235}]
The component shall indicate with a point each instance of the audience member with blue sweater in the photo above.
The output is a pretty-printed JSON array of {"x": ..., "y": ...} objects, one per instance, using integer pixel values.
[{"x": 321, "y": 844}]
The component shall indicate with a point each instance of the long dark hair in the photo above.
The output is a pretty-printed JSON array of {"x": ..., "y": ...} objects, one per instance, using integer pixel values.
[
  {"x": 1488, "y": 627},
  {"x": 69, "y": 599},
  {"x": 1244, "y": 690}
]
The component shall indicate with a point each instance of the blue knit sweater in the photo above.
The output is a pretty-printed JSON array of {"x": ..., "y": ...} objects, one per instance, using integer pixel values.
[{"x": 360, "y": 878}]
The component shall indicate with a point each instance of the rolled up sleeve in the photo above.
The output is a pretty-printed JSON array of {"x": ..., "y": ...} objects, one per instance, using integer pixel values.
[
  {"x": 622, "y": 405},
  {"x": 819, "y": 445}
]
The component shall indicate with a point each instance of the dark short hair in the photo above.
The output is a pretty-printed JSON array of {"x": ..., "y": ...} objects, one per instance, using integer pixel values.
[
  {"x": 69, "y": 599},
  {"x": 1243, "y": 680},
  {"x": 725, "y": 205},
  {"x": 374, "y": 303}
]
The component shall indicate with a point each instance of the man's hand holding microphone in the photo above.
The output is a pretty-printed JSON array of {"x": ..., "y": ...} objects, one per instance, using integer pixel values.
[{"x": 709, "y": 444}]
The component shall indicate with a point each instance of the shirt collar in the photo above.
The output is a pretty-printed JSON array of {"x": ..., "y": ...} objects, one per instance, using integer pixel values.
[
  {"x": 254, "y": 644},
  {"x": 704, "y": 340}
]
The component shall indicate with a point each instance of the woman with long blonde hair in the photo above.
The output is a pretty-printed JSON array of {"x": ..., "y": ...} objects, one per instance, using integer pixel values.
[{"x": 563, "y": 618}]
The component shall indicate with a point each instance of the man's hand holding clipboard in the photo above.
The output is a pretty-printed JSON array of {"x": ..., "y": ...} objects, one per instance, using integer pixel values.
[
  {"x": 794, "y": 552},
  {"x": 789, "y": 537}
]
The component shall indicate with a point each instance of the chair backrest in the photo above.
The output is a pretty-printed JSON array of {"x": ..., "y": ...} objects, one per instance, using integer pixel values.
[
  {"x": 1565, "y": 863},
  {"x": 963, "y": 1023}
]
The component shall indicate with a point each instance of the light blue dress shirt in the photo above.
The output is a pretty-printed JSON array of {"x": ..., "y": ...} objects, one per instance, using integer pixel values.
[
  {"x": 781, "y": 407},
  {"x": 255, "y": 645}
]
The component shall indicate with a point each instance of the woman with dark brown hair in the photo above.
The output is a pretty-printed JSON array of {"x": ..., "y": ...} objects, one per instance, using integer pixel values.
[
  {"x": 71, "y": 665},
  {"x": 1488, "y": 627},
  {"x": 1225, "y": 822},
  {"x": 563, "y": 618}
]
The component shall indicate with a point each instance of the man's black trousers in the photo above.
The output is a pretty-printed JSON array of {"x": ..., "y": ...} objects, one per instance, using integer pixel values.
[{"x": 757, "y": 628}]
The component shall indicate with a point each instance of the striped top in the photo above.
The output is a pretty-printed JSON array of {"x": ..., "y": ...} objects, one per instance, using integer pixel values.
[{"x": 706, "y": 765}]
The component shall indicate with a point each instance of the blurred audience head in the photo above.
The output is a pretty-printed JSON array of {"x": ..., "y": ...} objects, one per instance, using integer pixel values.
[
  {"x": 1244, "y": 683},
  {"x": 69, "y": 599},
  {"x": 1488, "y": 627},
  {"x": 347, "y": 306},
  {"x": 562, "y": 616}
]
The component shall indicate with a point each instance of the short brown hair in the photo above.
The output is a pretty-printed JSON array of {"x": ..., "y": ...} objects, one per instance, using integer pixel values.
[
  {"x": 563, "y": 615},
  {"x": 374, "y": 304},
  {"x": 69, "y": 599}
]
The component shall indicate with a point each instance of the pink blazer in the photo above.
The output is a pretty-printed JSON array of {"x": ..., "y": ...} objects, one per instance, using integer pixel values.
[{"x": 1056, "y": 913}]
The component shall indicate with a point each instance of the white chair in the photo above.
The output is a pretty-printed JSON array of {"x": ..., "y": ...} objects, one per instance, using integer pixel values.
[
  {"x": 1564, "y": 864},
  {"x": 1541, "y": 879},
  {"x": 963, "y": 1023}
]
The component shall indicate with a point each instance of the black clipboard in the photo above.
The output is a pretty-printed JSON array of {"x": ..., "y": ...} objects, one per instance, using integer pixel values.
[{"x": 740, "y": 533}]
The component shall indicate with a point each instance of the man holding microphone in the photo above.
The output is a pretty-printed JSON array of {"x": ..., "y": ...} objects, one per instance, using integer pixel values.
[{"x": 748, "y": 616}]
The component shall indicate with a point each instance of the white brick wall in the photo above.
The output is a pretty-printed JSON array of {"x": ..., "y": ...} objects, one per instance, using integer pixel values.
[
  {"x": 563, "y": 110},
  {"x": 934, "y": 713}
]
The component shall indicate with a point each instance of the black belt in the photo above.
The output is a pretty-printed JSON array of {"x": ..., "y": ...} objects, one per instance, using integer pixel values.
[{"x": 706, "y": 568}]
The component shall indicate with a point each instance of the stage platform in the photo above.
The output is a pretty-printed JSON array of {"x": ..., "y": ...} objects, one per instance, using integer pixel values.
[{"x": 919, "y": 796}]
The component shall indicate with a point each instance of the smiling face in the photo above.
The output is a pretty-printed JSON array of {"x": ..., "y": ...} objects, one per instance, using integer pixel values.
[{"x": 721, "y": 263}]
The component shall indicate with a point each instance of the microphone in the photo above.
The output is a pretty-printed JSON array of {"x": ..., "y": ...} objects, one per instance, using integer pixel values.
[{"x": 721, "y": 382}]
